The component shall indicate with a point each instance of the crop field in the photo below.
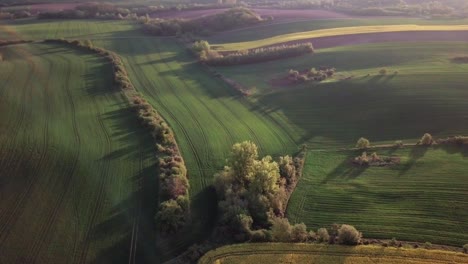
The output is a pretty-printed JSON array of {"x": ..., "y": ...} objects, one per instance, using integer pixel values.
[
  {"x": 323, "y": 254},
  {"x": 276, "y": 29},
  {"x": 73, "y": 161},
  {"x": 330, "y": 32},
  {"x": 207, "y": 116},
  {"x": 402, "y": 201},
  {"x": 75, "y": 29},
  {"x": 426, "y": 95}
]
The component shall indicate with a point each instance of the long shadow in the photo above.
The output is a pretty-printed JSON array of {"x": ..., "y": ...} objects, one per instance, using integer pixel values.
[
  {"x": 417, "y": 152},
  {"x": 345, "y": 170}
]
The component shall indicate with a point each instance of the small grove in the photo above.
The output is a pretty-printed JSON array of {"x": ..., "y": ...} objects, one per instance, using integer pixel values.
[
  {"x": 230, "y": 19},
  {"x": 211, "y": 57},
  {"x": 319, "y": 75},
  {"x": 173, "y": 199},
  {"x": 252, "y": 195}
]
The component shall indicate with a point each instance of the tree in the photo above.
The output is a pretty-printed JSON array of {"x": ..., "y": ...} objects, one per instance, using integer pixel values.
[
  {"x": 426, "y": 140},
  {"x": 322, "y": 235},
  {"x": 383, "y": 71},
  {"x": 281, "y": 229},
  {"x": 201, "y": 45},
  {"x": 465, "y": 248},
  {"x": 348, "y": 235},
  {"x": 363, "y": 143},
  {"x": 299, "y": 233},
  {"x": 171, "y": 216}
]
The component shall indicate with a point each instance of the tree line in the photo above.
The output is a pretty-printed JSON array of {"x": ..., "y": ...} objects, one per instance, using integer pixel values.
[{"x": 173, "y": 200}]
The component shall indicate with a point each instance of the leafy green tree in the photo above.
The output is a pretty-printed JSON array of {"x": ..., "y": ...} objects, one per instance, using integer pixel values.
[
  {"x": 363, "y": 143},
  {"x": 426, "y": 140},
  {"x": 322, "y": 235}
]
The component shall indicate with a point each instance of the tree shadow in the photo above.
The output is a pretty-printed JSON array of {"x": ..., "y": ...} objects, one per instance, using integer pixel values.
[
  {"x": 345, "y": 170},
  {"x": 417, "y": 152}
]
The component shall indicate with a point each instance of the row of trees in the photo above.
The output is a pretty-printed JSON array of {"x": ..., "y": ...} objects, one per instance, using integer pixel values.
[
  {"x": 230, "y": 19},
  {"x": 426, "y": 140},
  {"x": 251, "y": 195},
  {"x": 173, "y": 201},
  {"x": 311, "y": 75},
  {"x": 206, "y": 55}
]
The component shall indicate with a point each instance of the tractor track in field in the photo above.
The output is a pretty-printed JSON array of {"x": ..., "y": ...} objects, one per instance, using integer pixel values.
[
  {"x": 100, "y": 199},
  {"x": 173, "y": 89},
  {"x": 166, "y": 108},
  {"x": 187, "y": 88},
  {"x": 136, "y": 220},
  {"x": 45, "y": 231},
  {"x": 18, "y": 207}
]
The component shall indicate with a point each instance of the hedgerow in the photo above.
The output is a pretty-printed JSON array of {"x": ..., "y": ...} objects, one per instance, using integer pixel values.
[{"x": 174, "y": 185}]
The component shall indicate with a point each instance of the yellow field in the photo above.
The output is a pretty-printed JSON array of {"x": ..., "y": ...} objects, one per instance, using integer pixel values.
[
  {"x": 334, "y": 32},
  {"x": 273, "y": 253}
]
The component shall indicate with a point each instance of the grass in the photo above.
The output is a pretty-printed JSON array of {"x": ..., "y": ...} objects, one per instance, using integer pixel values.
[
  {"x": 207, "y": 116},
  {"x": 272, "y": 30},
  {"x": 421, "y": 199},
  {"x": 324, "y": 254},
  {"x": 333, "y": 32},
  {"x": 83, "y": 29},
  {"x": 425, "y": 96},
  {"x": 73, "y": 161}
]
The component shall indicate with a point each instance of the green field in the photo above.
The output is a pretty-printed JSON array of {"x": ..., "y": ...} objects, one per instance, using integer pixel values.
[
  {"x": 427, "y": 94},
  {"x": 323, "y": 254},
  {"x": 403, "y": 201},
  {"x": 73, "y": 161},
  {"x": 76, "y": 29},
  {"x": 328, "y": 32},
  {"x": 277, "y": 29}
]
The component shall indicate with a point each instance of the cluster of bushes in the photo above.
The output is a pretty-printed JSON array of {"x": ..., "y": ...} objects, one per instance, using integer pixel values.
[
  {"x": 16, "y": 14},
  {"x": 91, "y": 10},
  {"x": 230, "y": 19},
  {"x": 211, "y": 57},
  {"x": 311, "y": 75},
  {"x": 174, "y": 198},
  {"x": 251, "y": 195},
  {"x": 455, "y": 140},
  {"x": 374, "y": 160}
]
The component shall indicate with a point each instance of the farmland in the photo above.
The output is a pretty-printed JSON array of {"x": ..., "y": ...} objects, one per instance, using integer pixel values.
[
  {"x": 70, "y": 142},
  {"x": 329, "y": 32},
  {"x": 322, "y": 254},
  {"x": 72, "y": 158}
]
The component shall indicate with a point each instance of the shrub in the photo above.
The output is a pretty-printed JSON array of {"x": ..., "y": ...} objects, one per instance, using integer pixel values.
[
  {"x": 348, "y": 235},
  {"x": 299, "y": 233},
  {"x": 465, "y": 248},
  {"x": 281, "y": 229},
  {"x": 322, "y": 235},
  {"x": 428, "y": 245},
  {"x": 426, "y": 140},
  {"x": 363, "y": 143},
  {"x": 393, "y": 242},
  {"x": 362, "y": 160},
  {"x": 398, "y": 144},
  {"x": 383, "y": 71}
]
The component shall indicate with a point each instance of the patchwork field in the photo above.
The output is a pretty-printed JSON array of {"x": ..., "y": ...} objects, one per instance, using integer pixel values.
[
  {"x": 426, "y": 95},
  {"x": 73, "y": 162},
  {"x": 322, "y": 254},
  {"x": 207, "y": 116},
  {"x": 330, "y": 32}
]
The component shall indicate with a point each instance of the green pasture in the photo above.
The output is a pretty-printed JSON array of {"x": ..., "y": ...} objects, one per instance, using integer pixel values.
[
  {"x": 421, "y": 199},
  {"x": 77, "y": 173},
  {"x": 426, "y": 95},
  {"x": 34, "y": 29}
]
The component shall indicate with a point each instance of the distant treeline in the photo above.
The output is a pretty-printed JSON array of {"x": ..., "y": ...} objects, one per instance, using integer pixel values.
[
  {"x": 230, "y": 19},
  {"x": 174, "y": 205},
  {"x": 211, "y": 57}
]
